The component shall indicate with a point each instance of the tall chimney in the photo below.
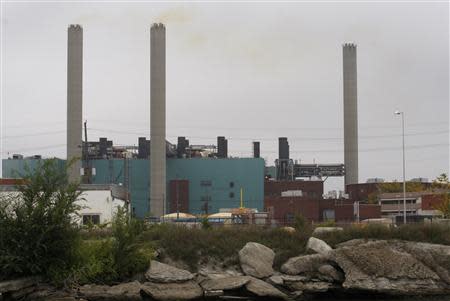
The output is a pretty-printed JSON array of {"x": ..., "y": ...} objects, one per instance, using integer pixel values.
[
  {"x": 74, "y": 99},
  {"x": 283, "y": 148},
  {"x": 256, "y": 149},
  {"x": 157, "y": 119},
  {"x": 222, "y": 147},
  {"x": 350, "y": 114}
]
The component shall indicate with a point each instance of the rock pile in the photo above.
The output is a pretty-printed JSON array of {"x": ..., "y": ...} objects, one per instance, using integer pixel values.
[{"x": 368, "y": 267}]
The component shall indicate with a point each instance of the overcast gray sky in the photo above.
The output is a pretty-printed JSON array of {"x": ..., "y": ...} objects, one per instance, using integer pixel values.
[{"x": 249, "y": 71}]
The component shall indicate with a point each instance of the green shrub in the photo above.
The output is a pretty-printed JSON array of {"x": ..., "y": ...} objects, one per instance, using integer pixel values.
[
  {"x": 95, "y": 264},
  {"x": 107, "y": 256},
  {"x": 205, "y": 223},
  {"x": 128, "y": 257},
  {"x": 37, "y": 234},
  {"x": 301, "y": 224}
]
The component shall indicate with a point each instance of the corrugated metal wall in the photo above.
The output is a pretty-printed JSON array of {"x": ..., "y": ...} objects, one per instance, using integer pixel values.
[{"x": 213, "y": 183}]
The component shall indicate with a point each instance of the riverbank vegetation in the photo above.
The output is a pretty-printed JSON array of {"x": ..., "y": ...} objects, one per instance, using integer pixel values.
[
  {"x": 429, "y": 233},
  {"x": 38, "y": 236}
]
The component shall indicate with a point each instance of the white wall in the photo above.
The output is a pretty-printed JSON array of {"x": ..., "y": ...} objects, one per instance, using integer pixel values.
[
  {"x": 92, "y": 202},
  {"x": 99, "y": 202}
]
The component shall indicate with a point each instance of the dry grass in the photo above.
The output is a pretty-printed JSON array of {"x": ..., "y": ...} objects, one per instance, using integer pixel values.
[{"x": 197, "y": 245}]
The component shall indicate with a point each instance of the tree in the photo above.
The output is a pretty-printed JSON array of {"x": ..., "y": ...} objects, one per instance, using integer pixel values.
[
  {"x": 442, "y": 182},
  {"x": 38, "y": 235},
  {"x": 395, "y": 187},
  {"x": 444, "y": 206}
]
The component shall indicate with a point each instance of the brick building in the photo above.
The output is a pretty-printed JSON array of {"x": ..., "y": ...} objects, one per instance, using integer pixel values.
[
  {"x": 311, "y": 189},
  {"x": 310, "y": 204}
]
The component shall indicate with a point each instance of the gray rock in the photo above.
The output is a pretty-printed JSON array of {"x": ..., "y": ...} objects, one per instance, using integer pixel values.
[
  {"x": 330, "y": 273},
  {"x": 436, "y": 257},
  {"x": 322, "y": 230},
  {"x": 276, "y": 280},
  {"x": 311, "y": 287},
  {"x": 209, "y": 294},
  {"x": 124, "y": 291},
  {"x": 392, "y": 268},
  {"x": 353, "y": 242},
  {"x": 187, "y": 290},
  {"x": 164, "y": 273},
  {"x": 225, "y": 283},
  {"x": 44, "y": 292},
  {"x": 256, "y": 260},
  {"x": 304, "y": 264},
  {"x": 17, "y": 284},
  {"x": 264, "y": 289},
  {"x": 318, "y": 246}
]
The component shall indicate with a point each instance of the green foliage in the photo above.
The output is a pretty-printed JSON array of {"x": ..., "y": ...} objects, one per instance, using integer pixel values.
[
  {"x": 37, "y": 234},
  {"x": 193, "y": 246},
  {"x": 432, "y": 233},
  {"x": 127, "y": 257},
  {"x": 205, "y": 223},
  {"x": 441, "y": 182},
  {"x": 301, "y": 224},
  {"x": 116, "y": 255},
  {"x": 444, "y": 206},
  {"x": 329, "y": 223},
  {"x": 95, "y": 264},
  {"x": 398, "y": 187}
]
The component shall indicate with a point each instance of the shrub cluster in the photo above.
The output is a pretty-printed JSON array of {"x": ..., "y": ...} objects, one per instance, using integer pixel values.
[
  {"x": 192, "y": 246},
  {"x": 112, "y": 255},
  {"x": 37, "y": 234},
  {"x": 431, "y": 233}
]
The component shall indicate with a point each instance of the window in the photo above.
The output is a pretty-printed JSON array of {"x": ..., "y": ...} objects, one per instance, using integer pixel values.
[
  {"x": 231, "y": 184},
  {"x": 231, "y": 195},
  {"x": 91, "y": 219},
  {"x": 205, "y": 183},
  {"x": 290, "y": 218},
  {"x": 206, "y": 198}
]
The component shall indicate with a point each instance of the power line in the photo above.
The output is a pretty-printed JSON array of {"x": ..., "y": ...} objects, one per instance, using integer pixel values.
[
  {"x": 34, "y": 134},
  {"x": 28, "y": 125},
  {"x": 275, "y": 138},
  {"x": 375, "y": 149},
  {"x": 35, "y": 148}
]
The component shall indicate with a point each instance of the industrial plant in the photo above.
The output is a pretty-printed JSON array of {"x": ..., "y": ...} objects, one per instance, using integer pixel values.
[{"x": 161, "y": 177}]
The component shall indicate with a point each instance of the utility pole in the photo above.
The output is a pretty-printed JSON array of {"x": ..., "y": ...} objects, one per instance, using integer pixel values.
[
  {"x": 87, "y": 172},
  {"x": 178, "y": 203},
  {"x": 404, "y": 163}
]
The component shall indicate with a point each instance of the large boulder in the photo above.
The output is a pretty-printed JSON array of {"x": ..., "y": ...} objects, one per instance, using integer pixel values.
[
  {"x": 263, "y": 289},
  {"x": 256, "y": 260},
  {"x": 330, "y": 273},
  {"x": 187, "y": 290},
  {"x": 436, "y": 257},
  {"x": 164, "y": 273},
  {"x": 396, "y": 268},
  {"x": 124, "y": 291},
  {"x": 318, "y": 246},
  {"x": 304, "y": 264}
]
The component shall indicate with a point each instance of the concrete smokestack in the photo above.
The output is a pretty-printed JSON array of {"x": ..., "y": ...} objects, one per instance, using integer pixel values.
[
  {"x": 157, "y": 119},
  {"x": 350, "y": 114},
  {"x": 74, "y": 99}
]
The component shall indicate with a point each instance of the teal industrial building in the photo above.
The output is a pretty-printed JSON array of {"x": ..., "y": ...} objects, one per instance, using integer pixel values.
[{"x": 213, "y": 183}]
